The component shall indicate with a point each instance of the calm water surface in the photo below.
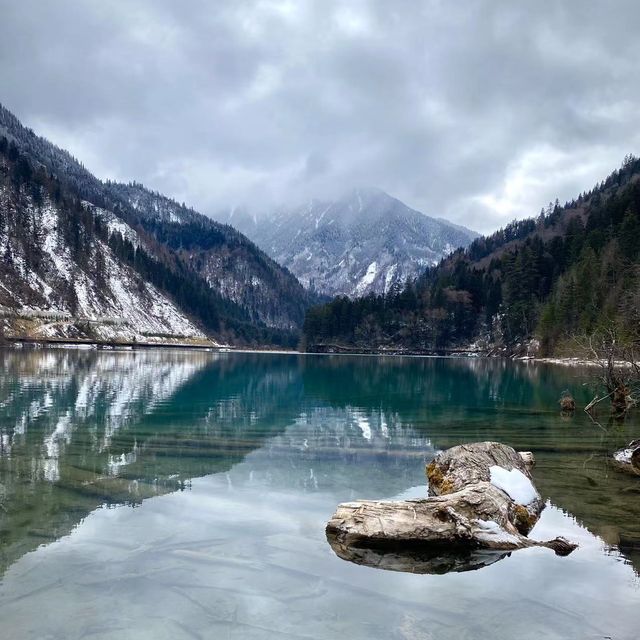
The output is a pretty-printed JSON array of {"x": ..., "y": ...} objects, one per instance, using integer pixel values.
[{"x": 184, "y": 495}]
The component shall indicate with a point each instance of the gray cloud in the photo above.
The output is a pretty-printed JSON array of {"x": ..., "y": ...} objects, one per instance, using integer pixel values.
[{"x": 477, "y": 111}]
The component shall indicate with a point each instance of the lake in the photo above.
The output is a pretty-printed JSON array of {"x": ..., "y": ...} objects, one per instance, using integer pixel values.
[{"x": 161, "y": 494}]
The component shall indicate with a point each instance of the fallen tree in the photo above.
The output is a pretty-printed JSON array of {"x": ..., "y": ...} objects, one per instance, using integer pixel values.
[{"x": 482, "y": 498}]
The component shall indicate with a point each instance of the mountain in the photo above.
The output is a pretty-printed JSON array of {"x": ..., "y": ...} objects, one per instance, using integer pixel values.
[
  {"x": 365, "y": 242},
  {"x": 61, "y": 264},
  {"x": 231, "y": 265},
  {"x": 89, "y": 249},
  {"x": 539, "y": 282}
]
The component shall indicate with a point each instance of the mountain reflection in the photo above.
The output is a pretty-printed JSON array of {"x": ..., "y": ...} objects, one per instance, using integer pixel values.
[
  {"x": 83, "y": 429},
  {"x": 79, "y": 430},
  {"x": 54, "y": 399}
]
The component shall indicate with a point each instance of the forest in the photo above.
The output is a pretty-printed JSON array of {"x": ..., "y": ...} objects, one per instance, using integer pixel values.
[{"x": 548, "y": 279}]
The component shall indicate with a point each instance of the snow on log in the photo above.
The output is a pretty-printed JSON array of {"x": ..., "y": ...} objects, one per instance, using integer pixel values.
[
  {"x": 467, "y": 464},
  {"x": 482, "y": 498},
  {"x": 628, "y": 459}
]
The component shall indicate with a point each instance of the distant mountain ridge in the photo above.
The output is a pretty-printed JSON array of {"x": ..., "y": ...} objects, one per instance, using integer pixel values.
[
  {"x": 364, "y": 242},
  {"x": 216, "y": 279}
]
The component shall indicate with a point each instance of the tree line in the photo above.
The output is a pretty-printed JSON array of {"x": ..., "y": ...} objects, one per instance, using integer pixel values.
[{"x": 569, "y": 270}]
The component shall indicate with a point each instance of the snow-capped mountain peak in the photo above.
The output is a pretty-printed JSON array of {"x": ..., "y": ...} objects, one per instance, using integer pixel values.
[{"x": 363, "y": 242}]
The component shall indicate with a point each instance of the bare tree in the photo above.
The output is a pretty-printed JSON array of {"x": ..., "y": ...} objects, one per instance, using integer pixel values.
[{"x": 616, "y": 355}]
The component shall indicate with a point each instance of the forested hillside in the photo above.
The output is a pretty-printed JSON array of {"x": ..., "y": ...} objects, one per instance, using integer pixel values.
[
  {"x": 66, "y": 260},
  {"x": 231, "y": 265},
  {"x": 211, "y": 273},
  {"x": 563, "y": 273}
]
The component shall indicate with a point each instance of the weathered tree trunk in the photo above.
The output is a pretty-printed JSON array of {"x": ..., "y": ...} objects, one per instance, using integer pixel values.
[
  {"x": 468, "y": 512},
  {"x": 467, "y": 464},
  {"x": 628, "y": 459},
  {"x": 527, "y": 458}
]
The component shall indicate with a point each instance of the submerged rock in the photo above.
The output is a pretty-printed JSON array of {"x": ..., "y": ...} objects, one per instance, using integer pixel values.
[
  {"x": 482, "y": 498},
  {"x": 567, "y": 403}
]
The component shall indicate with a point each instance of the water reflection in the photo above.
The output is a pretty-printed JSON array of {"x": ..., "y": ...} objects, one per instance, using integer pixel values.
[
  {"x": 424, "y": 560},
  {"x": 84, "y": 429},
  {"x": 246, "y": 457}
]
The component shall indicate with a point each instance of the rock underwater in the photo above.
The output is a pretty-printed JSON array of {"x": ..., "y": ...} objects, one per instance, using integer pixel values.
[{"x": 482, "y": 506}]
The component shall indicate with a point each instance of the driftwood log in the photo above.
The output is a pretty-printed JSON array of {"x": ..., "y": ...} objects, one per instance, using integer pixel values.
[
  {"x": 468, "y": 464},
  {"x": 466, "y": 516},
  {"x": 628, "y": 459}
]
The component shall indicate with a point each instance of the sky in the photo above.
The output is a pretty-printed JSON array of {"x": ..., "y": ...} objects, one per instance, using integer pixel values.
[{"x": 478, "y": 111}]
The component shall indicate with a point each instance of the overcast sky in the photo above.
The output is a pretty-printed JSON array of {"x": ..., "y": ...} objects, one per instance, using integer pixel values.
[{"x": 479, "y": 112}]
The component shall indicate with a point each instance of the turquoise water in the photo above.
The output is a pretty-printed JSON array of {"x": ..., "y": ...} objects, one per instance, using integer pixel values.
[{"x": 184, "y": 495}]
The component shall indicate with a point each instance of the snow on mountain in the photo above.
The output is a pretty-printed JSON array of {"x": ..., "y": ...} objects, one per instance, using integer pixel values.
[
  {"x": 233, "y": 266},
  {"x": 207, "y": 271},
  {"x": 115, "y": 224},
  {"x": 50, "y": 290},
  {"x": 365, "y": 242}
]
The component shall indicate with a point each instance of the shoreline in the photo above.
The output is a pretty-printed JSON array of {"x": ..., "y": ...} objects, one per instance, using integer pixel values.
[
  {"x": 19, "y": 342},
  {"x": 126, "y": 345},
  {"x": 573, "y": 361},
  {"x": 81, "y": 343}
]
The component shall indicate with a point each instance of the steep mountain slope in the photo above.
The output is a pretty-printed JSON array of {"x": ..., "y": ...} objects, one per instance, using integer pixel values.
[
  {"x": 231, "y": 264},
  {"x": 563, "y": 273},
  {"x": 210, "y": 272},
  {"x": 365, "y": 242},
  {"x": 58, "y": 266}
]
